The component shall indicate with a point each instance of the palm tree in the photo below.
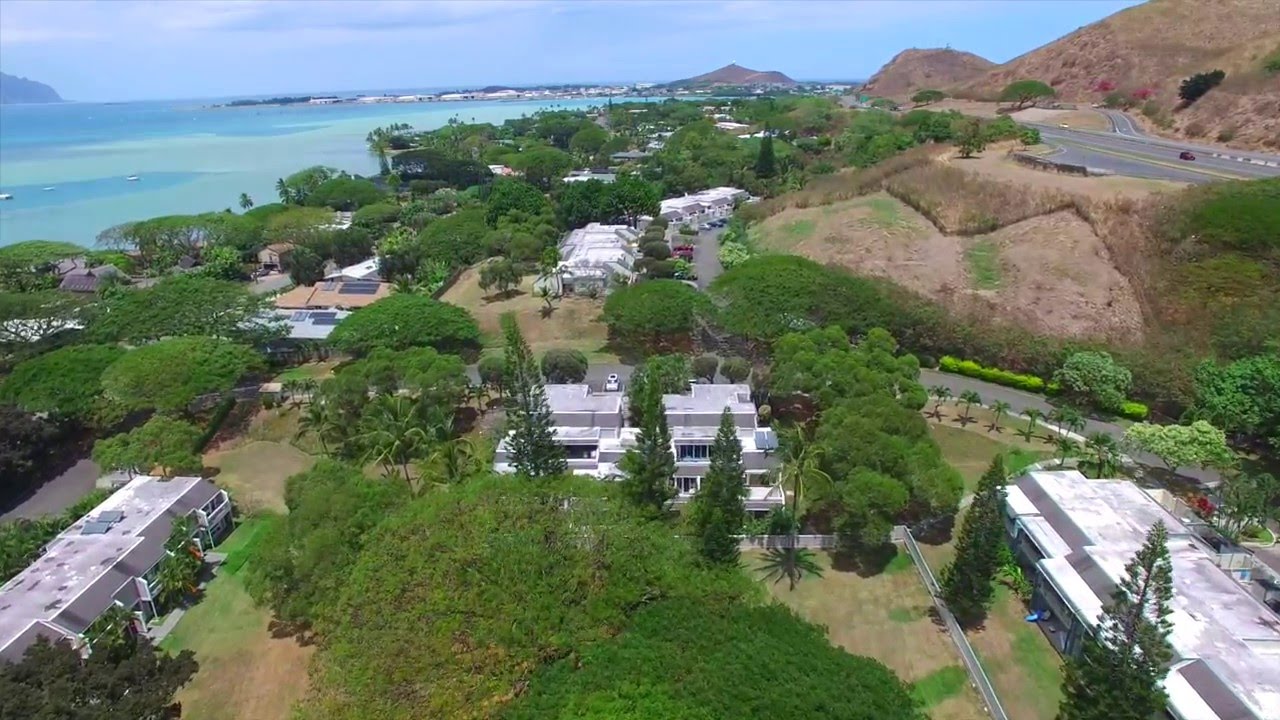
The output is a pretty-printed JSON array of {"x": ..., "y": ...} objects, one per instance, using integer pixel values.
[
  {"x": 379, "y": 143},
  {"x": 246, "y": 202},
  {"x": 321, "y": 420},
  {"x": 283, "y": 191},
  {"x": 1067, "y": 418},
  {"x": 940, "y": 395},
  {"x": 801, "y": 465},
  {"x": 792, "y": 563},
  {"x": 174, "y": 580},
  {"x": 969, "y": 398},
  {"x": 998, "y": 407},
  {"x": 1105, "y": 453},
  {"x": 1065, "y": 446},
  {"x": 308, "y": 387},
  {"x": 113, "y": 631},
  {"x": 395, "y": 433},
  {"x": 453, "y": 461},
  {"x": 1033, "y": 416}
]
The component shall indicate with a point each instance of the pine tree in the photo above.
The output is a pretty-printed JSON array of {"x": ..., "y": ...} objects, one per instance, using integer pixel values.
[
  {"x": 534, "y": 450},
  {"x": 766, "y": 164},
  {"x": 967, "y": 583},
  {"x": 1118, "y": 672},
  {"x": 649, "y": 466},
  {"x": 718, "y": 508}
]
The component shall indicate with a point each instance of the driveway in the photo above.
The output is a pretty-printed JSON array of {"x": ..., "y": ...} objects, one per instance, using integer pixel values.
[
  {"x": 706, "y": 257},
  {"x": 59, "y": 493},
  {"x": 270, "y": 283}
]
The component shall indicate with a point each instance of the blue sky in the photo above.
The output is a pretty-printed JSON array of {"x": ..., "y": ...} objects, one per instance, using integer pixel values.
[{"x": 151, "y": 49}]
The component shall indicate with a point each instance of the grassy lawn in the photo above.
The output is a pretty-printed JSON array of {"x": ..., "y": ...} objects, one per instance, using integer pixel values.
[
  {"x": 983, "y": 258},
  {"x": 971, "y": 448},
  {"x": 574, "y": 324},
  {"x": 254, "y": 471},
  {"x": 311, "y": 370},
  {"x": 1023, "y": 667},
  {"x": 887, "y": 617},
  {"x": 245, "y": 673}
]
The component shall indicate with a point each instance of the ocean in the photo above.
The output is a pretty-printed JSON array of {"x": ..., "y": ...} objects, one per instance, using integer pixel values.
[{"x": 189, "y": 158}]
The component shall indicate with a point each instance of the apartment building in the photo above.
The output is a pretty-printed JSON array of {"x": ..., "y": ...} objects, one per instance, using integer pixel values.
[
  {"x": 111, "y": 556},
  {"x": 1074, "y": 535},
  {"x": 592, "y": 427},
  {"x": 592, "y": 257},
  {"x": 702, "y": 206}
]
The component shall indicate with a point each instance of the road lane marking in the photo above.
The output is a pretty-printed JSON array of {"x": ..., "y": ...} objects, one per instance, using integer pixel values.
[{"x": 1160, "y": 163}]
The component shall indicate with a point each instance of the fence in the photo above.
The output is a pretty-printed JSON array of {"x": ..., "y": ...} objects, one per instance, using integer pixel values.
[
  {"x": 769, "y": 542},
  {"x": 979, "y": 677}
]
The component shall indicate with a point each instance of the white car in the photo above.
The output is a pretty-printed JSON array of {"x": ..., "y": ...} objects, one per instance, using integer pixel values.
[
  {"x": 1063, "y": 125},
  {"x": 611, "y": 383}
]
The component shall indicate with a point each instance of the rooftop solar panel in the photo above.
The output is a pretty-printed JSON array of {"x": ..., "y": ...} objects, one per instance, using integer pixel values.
[
  {"x": 95, "y": 528},
  {"x": 110, "y": 516},
  {"x": 325, "y": 321},
  {"x": 317, "y": 316},
  {"x": 358, "y": 288},
  {"x": 298, "y": 316}
]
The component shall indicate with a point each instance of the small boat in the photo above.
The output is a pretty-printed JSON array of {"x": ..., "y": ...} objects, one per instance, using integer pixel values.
[
  {"x": 5, "y": 196},
  {"x": 132, "y": 178},
  {"x": 49, "y": 188}
]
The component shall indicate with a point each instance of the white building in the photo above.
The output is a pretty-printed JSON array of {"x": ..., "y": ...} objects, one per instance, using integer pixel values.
[
  {"x": 585, "y": 175},
  {"x": 592, "y": 428},
  {"x": 702, "y": 206},
  {"x": 592, "y": 256},
  {"x": 111, "y": 556},
  {"x": 1074, "y": 536},
  {"x": 363, "y": 270},
  {"x": 729, "y": 125}
]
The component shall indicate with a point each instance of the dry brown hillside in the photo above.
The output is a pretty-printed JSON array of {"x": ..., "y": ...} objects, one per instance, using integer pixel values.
[
  {"x": 930, "y": 69},
  {"x": 1156, "y": 45}
]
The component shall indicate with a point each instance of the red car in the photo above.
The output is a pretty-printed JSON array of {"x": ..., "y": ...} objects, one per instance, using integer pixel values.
[
  {"x": 684, "y": 252},
  {"x": 1186, "y": 155}
]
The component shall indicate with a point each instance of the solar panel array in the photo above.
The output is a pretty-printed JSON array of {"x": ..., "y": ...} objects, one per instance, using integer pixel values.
[
  {"x": 358, "y": 288},
  {"x": 324, "y": 318},
  {"x": 110, "y": 516},
  {"x": 95, "y": 528}
]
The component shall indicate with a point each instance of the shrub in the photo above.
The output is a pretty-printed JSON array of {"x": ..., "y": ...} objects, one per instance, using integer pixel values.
[
  {"x": 969, "y": 368},
  {"x": 656, "y": 250},
  {"x": 1238, "y": 215},
  {"x": 1133, "y": 410},
  {"x": 732, "y": 254},
  {"x": 1226, "y": 134}
]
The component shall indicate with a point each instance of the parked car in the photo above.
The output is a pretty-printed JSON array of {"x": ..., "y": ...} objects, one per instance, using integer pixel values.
[
  {"x": 684, "y": 252},
  {"x": 1186, "y": 155},
  {"x": 1063, "y": 125},
  {"x": 611, "y": 383}
]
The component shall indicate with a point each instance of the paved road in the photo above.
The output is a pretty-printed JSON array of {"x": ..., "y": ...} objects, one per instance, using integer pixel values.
[
  {"x": 1127, "y": 151},
  {"x": 706, "y": 257},
  {"x": 59, "y": 493}
]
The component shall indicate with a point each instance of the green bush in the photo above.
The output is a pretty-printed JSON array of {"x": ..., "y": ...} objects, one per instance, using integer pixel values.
[
  {"x": 1238, "y": 215},
  {"x": 969, "y": 368},
  {"x": 1134, "y": 410}
]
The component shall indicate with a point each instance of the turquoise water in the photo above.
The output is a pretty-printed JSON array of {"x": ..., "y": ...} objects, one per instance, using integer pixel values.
[{"x": 188, "y": 158}]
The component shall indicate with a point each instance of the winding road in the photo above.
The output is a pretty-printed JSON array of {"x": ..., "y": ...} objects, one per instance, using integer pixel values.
[{"x": 1127, "y": 150}]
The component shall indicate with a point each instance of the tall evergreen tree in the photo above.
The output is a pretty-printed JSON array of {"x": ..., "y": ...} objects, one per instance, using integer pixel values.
[
  {"x": 766, "y": 163},
  {"x": 967, "y": 583},
  {"x": 534, "y": 450},
  {"x": 1118, "y": 672},
  {"x": 650, "y": 465},
  {"x": 718, "y": 508}
]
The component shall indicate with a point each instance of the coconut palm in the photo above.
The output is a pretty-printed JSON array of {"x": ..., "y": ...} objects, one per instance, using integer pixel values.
[
  {"x": 800, "y": 466},
  {"x": 969, "y": 398},
  {"x": 1065, "y": 445},
  {"x": 246, "y": 202},
  {"x": 379, "y": 141},
  {"x": 940, "y": 395},
  {"x": 323, "y": 422},
  {"x": 175, "y": 580},
  {"x": 114, "y": 630},
  {"x": 394, "y": 433},
  {"x": 1067, "y": 418},
  {"x": 308, "y": 387},
  {"x": 792, "y": 563},
  {"x": 1033, "y": 416},
  {"x": 999, "y": 408},
  {"x": 283, "y": 191},
  {"x": 453, "y": 461},
  {"x": 1104, "y": 452}
]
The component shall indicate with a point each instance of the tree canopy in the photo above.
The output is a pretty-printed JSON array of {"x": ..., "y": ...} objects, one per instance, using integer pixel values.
[
  {"x": 66, "y": 381},
  {"x": 345, "y": 193},
  {"x": 1026, "y": 91},
  {"x": 185, "y": 305},
  {"x": 404, "y": 320},
  {"x": 161, "y": 442},
  {"x": 168, "y": 375},
  {"x": 825, "y": 366},
  {"x": 1095, "y": 378},
  {"x": 1199, "y": 444},
  {"x": 654, "y": 313}
]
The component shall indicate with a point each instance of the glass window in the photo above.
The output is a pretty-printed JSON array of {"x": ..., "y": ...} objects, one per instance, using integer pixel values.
[
  {"x": 692, "y": 453},
  {"x": 686, "y": 485}
]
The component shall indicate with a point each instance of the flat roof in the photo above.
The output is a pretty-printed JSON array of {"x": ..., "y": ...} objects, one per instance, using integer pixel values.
[
  {"x": 597, "y": 245},
  {"x": 711, "y": 398},
  {"x": 580, "y": 398},
  {"x": 364, "y": 270},
  {"x": 709, "y": 197},
  {"x": 85, "y": 566},
  {"x": 1092, "y": 528}
]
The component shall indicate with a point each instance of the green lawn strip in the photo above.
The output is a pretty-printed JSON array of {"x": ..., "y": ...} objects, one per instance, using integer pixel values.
[
  {"x": 983, "y": 257},
  {"x": 899, "y": 563},
  {"x": 939, "y": 685},
  {"x": 242, "y": 544},
  {"x": 219, "y": 622},
  {"x": 904, "y": 615},
  {"x": 886, "y": 214}
]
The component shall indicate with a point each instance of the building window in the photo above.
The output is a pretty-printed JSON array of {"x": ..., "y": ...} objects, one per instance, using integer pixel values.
[
  {"x": 693, "y": 453},
  {"x": 580, "y": 452},
  {"x": 686, "y": 485}
]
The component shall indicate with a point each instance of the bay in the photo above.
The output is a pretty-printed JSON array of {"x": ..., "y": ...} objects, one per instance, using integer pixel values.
[{"x": 188, "y": 157}]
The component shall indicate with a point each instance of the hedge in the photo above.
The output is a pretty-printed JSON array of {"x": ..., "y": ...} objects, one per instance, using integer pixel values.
[
  {"x": 1134, "y": 410},
  {"x": 969, "y": 368},
  {"x": 215, "y": 422}
]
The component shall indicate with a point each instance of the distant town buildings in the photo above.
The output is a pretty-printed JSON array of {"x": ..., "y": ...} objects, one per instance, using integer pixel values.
[
  {"x": 109, "y": 557},
  {"x": 1074, "y": 535},
  {"x": 592, "y": 428}
]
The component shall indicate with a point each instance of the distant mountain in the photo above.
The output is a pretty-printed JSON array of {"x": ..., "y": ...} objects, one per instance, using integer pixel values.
[
  {"x": 21, "y": 90},
  {"x": 928, "y": 69},
  {"x": 734, "y": 74}
]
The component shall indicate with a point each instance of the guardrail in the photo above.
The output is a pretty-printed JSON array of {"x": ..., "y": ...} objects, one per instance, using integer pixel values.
[
  {"x": 769, "y": 542},
  {"x": 1040, "y": 163},
  {"x": 971, "y": 663}
]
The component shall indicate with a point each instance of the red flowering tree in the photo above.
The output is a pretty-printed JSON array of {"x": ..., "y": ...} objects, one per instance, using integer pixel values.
[
  {"x": 1144, "y": 94},
  {"x": 1104, "y": 86}
]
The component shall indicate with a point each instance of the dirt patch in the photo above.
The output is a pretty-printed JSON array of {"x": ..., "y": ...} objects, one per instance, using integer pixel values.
[
  {"x": 1082, "y": 119},
  {"x": 254, "y": 472},
  {"x": 1051, "y": 273},
  {"x": 574, "y": 323}
]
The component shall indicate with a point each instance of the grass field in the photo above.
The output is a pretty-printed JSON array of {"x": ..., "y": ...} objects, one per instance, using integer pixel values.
[
  {"x": 311, "y": 370},
  {"x": 1023, "y": 667},
  {"x": 888, "y": 617},
  {"x": 983, "y": 259},
  {"x": 245, "y": 673},
  {"x": 254, "y": 471},
  {"x": 574, "y": 324}
]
